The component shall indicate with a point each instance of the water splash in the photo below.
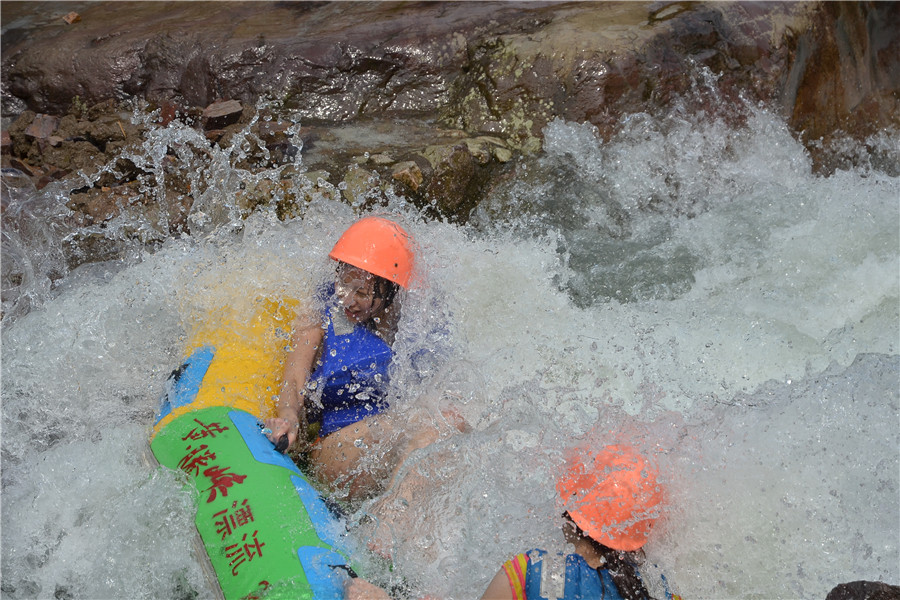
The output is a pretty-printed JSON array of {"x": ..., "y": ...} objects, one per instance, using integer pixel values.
[
  {"x": 33, "y": 227},
  {"x": 689, "y": 285}
]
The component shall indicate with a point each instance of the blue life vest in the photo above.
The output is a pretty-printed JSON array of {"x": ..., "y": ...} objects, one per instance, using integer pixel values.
[
  {"x": 582, "y": 582},
  {"x": 352, "y": 375}
]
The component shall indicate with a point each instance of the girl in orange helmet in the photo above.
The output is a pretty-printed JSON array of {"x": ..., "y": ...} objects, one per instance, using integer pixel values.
[
  {"x": 337, "y": 370},
  {"x": 612, "y": 500}
]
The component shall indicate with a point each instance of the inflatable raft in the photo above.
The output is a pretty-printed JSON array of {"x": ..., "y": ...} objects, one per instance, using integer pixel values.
[{"x": 267, "y": 532}]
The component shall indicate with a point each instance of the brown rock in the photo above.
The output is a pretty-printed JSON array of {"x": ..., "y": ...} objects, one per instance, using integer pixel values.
[
  {"x": 453, "y": 185},
  {"x": 845, "y": 78},
  {"x": 97, "y": 205},
  {"x": 273, "y": 131},
  {"x": 52, "y": 175},
  {"x": 73, "y": 155},
  {"x": 167, "y": 112},
  {"x": 72, "y": 17},
  {"x": 214, "y": 135},
  {"x": 864, "y": 590},
  {"x": 501, "y": 68},
  {"x": 357, "y": 185},
  {"x": 409, "y": 174},
  {"x": 278, "y": 141},
  {"x": 219, "y": 115},
  {"x": 42, "y": 127},
  {"x": 29, "y": 170}
]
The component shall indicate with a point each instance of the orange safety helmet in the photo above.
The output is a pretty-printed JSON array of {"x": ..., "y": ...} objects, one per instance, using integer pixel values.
[
  {"x": 612, "y": 496},
  {"x": 379, "y": 246}
]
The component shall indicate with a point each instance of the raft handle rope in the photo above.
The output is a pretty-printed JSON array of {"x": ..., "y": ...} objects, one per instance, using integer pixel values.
[
  {"x": 350, "y": 572},
  {"x": 282, "y": 443}
]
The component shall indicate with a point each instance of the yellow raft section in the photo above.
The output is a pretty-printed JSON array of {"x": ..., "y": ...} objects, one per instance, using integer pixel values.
[{"x": 249, "y": 359}]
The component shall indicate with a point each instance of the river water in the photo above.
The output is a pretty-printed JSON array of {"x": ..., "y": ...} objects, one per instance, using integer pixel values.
[{"x": 689, "y": 286}]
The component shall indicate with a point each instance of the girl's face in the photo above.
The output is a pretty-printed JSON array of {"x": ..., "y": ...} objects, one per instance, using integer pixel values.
[{"x": 355, "y": 289}]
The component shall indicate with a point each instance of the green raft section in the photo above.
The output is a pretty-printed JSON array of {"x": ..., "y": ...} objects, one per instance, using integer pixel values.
[{"x": 266, "y": 530}]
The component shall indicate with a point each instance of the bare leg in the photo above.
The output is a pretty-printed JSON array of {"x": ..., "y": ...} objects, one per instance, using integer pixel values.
[
  {"x": 337, "y": 459},
  {"x": 398, "y": 513},
  {"x": 412, "y": 478},
  {"x": 361, "y": 458}
]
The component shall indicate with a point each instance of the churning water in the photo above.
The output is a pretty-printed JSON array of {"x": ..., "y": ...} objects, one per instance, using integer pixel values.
[{"x": 689, "y": 286}]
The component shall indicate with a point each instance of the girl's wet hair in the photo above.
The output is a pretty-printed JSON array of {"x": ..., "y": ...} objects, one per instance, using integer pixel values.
[
  {"x": 622, "y": 566},
  {"x": 385, "y": 289}
]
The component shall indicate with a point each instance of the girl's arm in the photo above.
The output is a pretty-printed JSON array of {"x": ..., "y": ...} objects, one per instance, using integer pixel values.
[
  {"x": 306, "y": 341},
  {"x": 499, "y": 588}
]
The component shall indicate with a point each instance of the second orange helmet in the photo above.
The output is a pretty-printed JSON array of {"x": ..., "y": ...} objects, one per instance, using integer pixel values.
[{"x": 613, "y": 496}]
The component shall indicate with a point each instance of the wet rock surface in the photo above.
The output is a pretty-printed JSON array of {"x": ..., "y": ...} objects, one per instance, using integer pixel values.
[
  {"x": 434, "y": 102},
  {"x": 486, "y": 66},
  {"x": 864, "y": 590}
]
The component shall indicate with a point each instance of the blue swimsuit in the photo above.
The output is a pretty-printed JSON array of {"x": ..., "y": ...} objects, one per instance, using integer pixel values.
[{"x": 352, "y": 375}]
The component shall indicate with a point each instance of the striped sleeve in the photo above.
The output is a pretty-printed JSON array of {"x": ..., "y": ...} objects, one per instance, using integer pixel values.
[
  {"x": 515, "y": 571},
  {"x": 669, "y": 595}
]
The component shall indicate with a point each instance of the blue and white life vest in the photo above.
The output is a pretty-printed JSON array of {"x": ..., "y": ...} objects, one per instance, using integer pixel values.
[
  {"x": 578, "y": 581},
  {"x": 537, "y": 575}
]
